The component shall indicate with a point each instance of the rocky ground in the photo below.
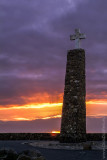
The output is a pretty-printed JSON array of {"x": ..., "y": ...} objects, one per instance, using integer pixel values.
[
  {"x": 10, "y": 154},
  {"x": 57, "y": 154}
]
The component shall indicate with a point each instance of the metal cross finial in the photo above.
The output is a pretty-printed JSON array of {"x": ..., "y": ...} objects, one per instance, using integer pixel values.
[{"x": 77, "y": 37}]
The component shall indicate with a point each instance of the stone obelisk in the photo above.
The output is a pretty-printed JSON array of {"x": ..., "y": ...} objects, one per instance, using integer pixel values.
[{"x": 73, "y": 124}]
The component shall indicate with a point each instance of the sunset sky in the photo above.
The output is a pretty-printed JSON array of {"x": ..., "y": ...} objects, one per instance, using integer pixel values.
[{"x": 34, "y": 40}]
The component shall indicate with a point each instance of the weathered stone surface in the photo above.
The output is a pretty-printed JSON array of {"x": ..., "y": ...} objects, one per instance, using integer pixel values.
[{"x": 73, "y": 125}]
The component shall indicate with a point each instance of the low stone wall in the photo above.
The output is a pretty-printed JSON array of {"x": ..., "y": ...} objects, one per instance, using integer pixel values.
[
  {"x": 46, "y": 136},
  {"x": 29, "y": 136},
  {"x": 95, "y": 136}
]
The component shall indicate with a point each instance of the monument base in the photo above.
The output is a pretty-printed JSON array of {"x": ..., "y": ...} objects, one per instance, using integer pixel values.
[{"x": 72, "y": 138}]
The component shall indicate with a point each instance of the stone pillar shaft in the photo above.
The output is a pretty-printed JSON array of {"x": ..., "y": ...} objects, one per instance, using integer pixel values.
[{"x": 73, "y": 124}]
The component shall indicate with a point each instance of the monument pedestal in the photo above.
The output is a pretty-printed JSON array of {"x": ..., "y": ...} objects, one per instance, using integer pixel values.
[{"x": 73, "y": 124}]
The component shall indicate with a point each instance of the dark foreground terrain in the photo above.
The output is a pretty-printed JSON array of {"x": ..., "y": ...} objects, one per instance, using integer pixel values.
[{"x": 55, "y": 154}]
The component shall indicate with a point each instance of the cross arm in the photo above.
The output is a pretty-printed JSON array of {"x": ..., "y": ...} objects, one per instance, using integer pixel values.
[
  {"x": 72, "y": 37},
  {"x": 82, "y": 36}
]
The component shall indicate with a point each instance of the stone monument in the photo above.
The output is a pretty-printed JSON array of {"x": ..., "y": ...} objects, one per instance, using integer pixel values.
[{"x": 73, "y": 123}]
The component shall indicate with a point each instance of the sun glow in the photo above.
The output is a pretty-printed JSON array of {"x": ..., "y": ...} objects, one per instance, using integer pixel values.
[{"x": 55, "y": 132}]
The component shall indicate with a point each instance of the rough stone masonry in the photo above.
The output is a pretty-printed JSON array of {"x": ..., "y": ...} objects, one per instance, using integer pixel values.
[{"x": 73, "y": 124}]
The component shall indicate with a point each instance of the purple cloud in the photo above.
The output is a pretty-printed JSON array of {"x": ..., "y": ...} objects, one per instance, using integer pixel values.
[{"x": 34, "y": 43}]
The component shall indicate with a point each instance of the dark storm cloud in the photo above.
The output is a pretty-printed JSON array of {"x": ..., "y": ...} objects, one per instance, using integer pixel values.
[
  {"x": 91, "y": 18},
  {"x": 34, "y": 43}
]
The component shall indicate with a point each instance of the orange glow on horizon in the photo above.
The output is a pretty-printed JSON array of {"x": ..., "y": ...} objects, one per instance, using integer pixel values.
[
  {"x": 32, "y": 106},
  {"x": 22, "y": 119},
  {"x": 34, "y": 111},
  {"x": 57, "y": 116},
  {"x": 31, "y": 112},
  {"x": 104, "y": 102}
]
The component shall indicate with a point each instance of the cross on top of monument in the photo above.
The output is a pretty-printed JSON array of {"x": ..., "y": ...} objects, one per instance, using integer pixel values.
[{"x": 77, "y": 37}]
